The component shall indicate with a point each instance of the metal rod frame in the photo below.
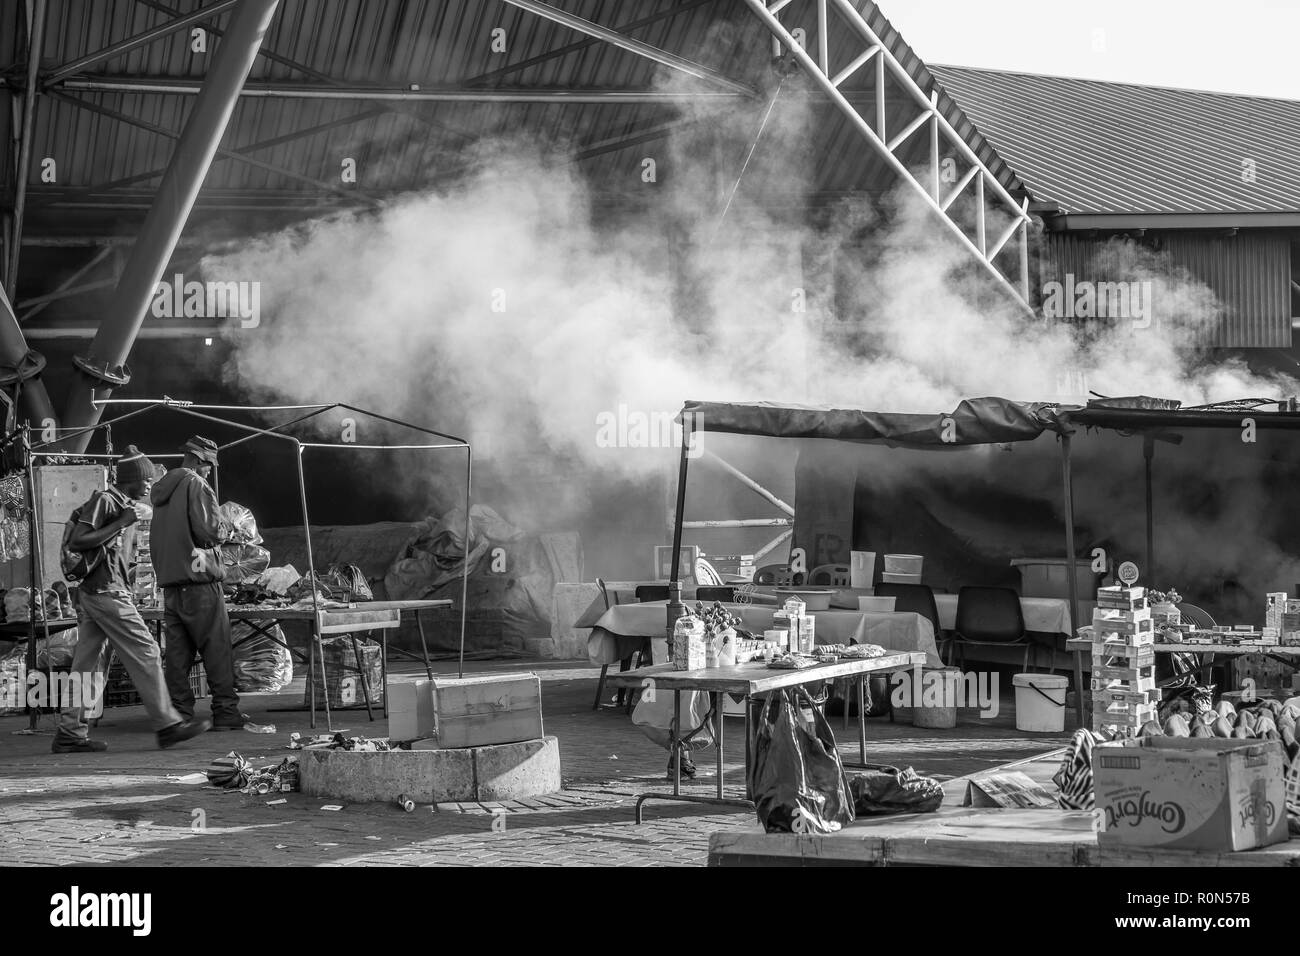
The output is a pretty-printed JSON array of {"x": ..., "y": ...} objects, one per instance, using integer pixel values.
[
  {"x": 35, "y": 41},
  {"x": 877, "y": 137},
  {"x": 638, "y": 47}
]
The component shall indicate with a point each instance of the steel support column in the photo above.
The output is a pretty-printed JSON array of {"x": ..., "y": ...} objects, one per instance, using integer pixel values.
[
  {"x": 19, "y": 365},
  {"x": 36, "y": 39},
  {"x": 104, "y": 364}
]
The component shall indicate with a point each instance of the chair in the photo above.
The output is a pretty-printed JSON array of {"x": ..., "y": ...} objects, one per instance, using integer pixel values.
[
  {"x": 1188, "y": 614},
  {"x": 989, "y": 617},
  {"x": 604, "y": 668},
  {"x": 768, "y": 573},
  {"x": 706, "y": 573},
  {"x": 832, "y": 575},
  {"x": 651, "y": 592},
  {"x": 917, "y": 598},
  {"x": 726, "y": 594}
]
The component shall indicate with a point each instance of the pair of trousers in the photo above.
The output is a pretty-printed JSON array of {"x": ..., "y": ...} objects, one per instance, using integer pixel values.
[
  {"x": 196, "y": 623},
  {"x": 111, "y": 618}
]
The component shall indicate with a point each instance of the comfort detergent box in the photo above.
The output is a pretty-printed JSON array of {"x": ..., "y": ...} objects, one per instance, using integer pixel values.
[{"x": 1191, "y": 793}]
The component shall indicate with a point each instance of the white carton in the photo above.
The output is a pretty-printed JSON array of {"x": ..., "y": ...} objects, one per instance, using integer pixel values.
[{"x": 1191, "y": 793}]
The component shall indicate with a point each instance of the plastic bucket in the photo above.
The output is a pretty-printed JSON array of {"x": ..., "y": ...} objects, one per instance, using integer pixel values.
[
  {"x": 893, "y": 577},
  {"x": 936, "y": 718},
  {"x": 1040, "y": 702},
  {"x": 876, "y": 604},
  {"x": 903, "y": 563},
  {"x": 862, "y": 567}
]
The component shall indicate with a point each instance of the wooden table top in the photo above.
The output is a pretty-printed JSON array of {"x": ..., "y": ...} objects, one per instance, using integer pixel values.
[{"x": 758, "y": 678}]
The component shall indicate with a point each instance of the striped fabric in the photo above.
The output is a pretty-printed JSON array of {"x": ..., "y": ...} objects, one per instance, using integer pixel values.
[{"x": 1074, "y": 778}]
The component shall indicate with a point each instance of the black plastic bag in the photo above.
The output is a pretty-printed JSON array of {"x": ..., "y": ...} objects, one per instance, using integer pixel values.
[
  {"x": 796, "y": 778},
  {"x": 883, "y": 790}
]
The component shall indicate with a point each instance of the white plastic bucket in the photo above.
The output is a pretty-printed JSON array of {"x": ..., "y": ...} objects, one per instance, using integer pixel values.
[
  {"x": 876, "y": 604},
  {"x": 1040, "y": 702},
  {"x": 862, "y": 565},
  {"x": 904, "y": 563}
]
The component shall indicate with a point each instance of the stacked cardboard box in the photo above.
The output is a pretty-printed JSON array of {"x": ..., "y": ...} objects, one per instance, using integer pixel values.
[
  {"x": 1124, "y": 692},
  {"x": 733, "y": 567}
]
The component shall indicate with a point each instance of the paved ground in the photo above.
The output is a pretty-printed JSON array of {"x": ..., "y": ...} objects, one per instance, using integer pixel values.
[{"x": 125, "y": 807}]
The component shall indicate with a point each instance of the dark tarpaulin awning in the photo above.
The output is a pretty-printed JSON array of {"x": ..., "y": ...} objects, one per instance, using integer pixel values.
[{"x": 976, "y": 421}]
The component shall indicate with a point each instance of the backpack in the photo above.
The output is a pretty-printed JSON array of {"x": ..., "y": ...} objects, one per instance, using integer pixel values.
[{"x": 76, "y": 565}]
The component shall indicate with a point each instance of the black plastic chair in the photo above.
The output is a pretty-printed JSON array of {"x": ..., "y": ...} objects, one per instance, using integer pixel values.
[
  {"x": 651, "y": 592},
  {"x": 1166, "y": 672},
  {"x": 604, "y": 668},
  {"x": 916, "y": 598},
  {"x": 726, "y": 594},
  {"x": 989, "y": 617}
]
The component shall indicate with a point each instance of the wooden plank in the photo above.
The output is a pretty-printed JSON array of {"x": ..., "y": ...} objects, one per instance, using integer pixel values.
[
  {"x": 340, "y": 622},
  {"x": 758, "y": 678}
]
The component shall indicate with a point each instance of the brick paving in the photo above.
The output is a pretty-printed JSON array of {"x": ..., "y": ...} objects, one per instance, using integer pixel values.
[{"x": 125, "y": 807}]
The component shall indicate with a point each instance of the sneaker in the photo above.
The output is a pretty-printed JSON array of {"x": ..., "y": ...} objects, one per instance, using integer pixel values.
[
  {"x": 64, "y": 744},
  {"x": 231, "y": 723},
  {"x": 171, "y": 736}
]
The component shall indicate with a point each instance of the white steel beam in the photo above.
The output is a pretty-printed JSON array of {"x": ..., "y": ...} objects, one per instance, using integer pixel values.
[
  {"x": 858, "y": 62},
  {"x": 907, "y": 131},
  {"x": 876, "y": 138},
  {"x": 961, "y": 186}
]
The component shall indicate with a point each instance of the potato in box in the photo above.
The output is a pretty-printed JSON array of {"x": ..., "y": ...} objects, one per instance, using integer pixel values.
[{"x": 1191, "y": 793}]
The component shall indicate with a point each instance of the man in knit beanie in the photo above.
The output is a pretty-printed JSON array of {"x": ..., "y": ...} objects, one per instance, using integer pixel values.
[{"x": 105, "y": 533}]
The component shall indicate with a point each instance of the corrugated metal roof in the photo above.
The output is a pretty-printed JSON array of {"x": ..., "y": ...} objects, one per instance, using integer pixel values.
[
  {"x": 1098, "y": 147},
  {"x": 435, "y": 43}
]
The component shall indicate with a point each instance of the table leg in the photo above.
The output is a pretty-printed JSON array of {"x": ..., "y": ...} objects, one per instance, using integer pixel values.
[
  {"x": 424, "y": 648},
  {"x": 324, "y": 674},
  {"x": 862, "y": 718},
  {"x": 718, "y": 720},
  {"x": 383, "y": 666},
  {"x": 748, "y": 734},
  {"x": 361, "y": 674},
  {"x": 311, "y": 677},
  {"x": 675, "y": 753},
  {"x": 1078, "y": 689}
]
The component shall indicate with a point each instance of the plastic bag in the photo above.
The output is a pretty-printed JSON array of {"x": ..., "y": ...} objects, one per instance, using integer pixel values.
[
  {"x": 243, "y": 562},
  {"x": 261, "y": 665},
  {"x": 884, "y": 790},
  {"x": 58, "y": 650},
  {"x": 1074, "y": 777},
  {"x": 13, "y": 681},
  {"x": 653, "y": 714},
  {"x": 242, "y": 524},
  {"x": 795, "y": 777},
  {"x": 350, "y": 578},
  {"x": 278, "y": 580}
]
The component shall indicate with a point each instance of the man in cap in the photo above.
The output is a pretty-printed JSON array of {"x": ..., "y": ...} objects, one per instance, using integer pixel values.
[
  {"x": 105, "y": 534},
  {"x": 184, "y": 539}
]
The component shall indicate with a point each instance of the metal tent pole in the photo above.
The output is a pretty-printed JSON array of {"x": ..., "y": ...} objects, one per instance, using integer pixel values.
[
  {"x": 676, "y": 609},
  {"x": 1149, "y": 453},
  {"x": 464, "y": 566},
  {"x": 1071, "y": 579},
  {"x": 317, "y": 643}
]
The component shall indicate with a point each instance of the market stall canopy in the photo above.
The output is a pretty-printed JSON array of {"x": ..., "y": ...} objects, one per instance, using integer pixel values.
[{"x": 976, "y": 421}]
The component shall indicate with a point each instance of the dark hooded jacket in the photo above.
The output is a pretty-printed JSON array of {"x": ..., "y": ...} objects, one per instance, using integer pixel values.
[{"x": 186, "y": 530}]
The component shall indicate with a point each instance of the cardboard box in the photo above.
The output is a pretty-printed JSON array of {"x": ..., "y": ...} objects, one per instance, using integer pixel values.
[
  {"x": 1191, "y": 793},
  {"x": 481, "y": 711},
  {"x": 1130, "y": 599},
  {"x": 410, "y": 710}
]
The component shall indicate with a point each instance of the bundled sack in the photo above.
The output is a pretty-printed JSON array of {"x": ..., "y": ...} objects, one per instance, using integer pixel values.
[
  {"x": 241, "y": 523},
  {"x": 18, "y": 605},
  {"x": 795, "y": 777},
  {"x": 243, "y": 563},
  {"x": 884, "y": 790},
  {"x": 261, "y": 665},
  {"x": 341, "y": 672},
  {"x": 230, "y": 772}
]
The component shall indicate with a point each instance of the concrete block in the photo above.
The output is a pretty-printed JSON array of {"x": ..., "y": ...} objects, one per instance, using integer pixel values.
[
  {"x": 515, "y": 771},
  {"x": 426, "y": 776},
  {"x": 518, "y": 771}
]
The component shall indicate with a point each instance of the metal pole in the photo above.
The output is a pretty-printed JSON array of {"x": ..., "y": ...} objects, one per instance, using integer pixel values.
[
  {"x": 676, "y": 609},
  {"x": 26, "y": 363},
  {"x": 317, "y": 642},
  {"x": 464, "y": 563},
  {"x": 104, "y": 364},
  {"x": 34, "y": 565},
  {"x": 1148, "y": 454},
  {"x": 1071, "y": 581},
  {"x": 35, "y": 44}
]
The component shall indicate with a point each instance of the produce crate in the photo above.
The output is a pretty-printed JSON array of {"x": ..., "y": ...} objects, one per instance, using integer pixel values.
[{"x": 120, "y": 692}]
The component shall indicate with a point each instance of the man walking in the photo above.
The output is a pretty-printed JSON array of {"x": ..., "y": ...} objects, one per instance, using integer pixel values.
[
  {"x": 184, "y": 537},
  {"x": 106, "y": 534}
]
